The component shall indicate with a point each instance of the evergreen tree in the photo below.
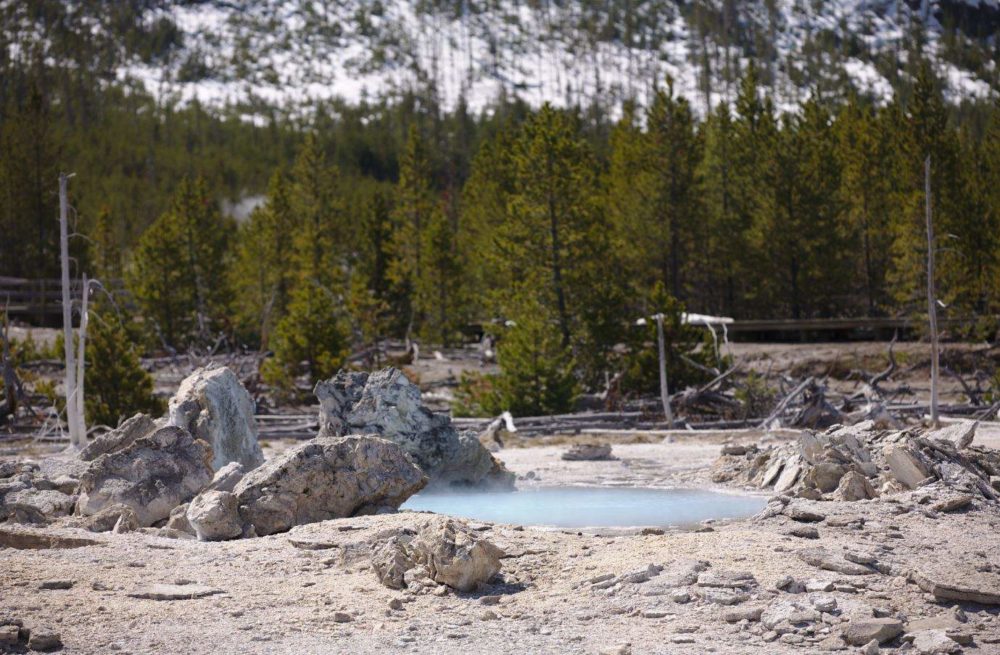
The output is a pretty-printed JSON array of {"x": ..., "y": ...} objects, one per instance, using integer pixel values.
[
  {"x": 866, "y": 160},
  {"x": 179, "y": 268},
  {"x": 729, "y": 262},
  {"x": 263, "y": 274},
  {"x": 553, "y": 236},
  {"x": 116, "y": 384},
  {"x": 414, "y": 206},
  {"x": 106, "y": 254},
  {"x": 437, "y": 295},
  {"x": 665, "y": 231},
  {"x": 536, "y": 369},
  {"x": 311, "y": 338}
]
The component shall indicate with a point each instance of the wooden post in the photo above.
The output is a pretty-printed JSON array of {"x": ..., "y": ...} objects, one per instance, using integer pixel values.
[
  {"x": 67, "y": 313},
  {"x": 664, "y": 392},
  {"x": 931, "y": 296}
]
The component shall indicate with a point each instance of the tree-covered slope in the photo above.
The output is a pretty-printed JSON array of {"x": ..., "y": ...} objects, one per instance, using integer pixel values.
[{"x": 287, "y": 53}]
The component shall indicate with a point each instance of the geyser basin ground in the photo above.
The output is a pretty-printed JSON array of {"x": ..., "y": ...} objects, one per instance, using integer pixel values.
[{"x": 590, "y": 507}]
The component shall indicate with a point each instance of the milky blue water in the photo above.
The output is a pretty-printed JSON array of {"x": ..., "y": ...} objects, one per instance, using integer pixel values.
[{"x": 590, "y": 507}]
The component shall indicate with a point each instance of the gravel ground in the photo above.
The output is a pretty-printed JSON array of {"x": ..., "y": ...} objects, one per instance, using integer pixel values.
[{"x": 272, "y": 597}]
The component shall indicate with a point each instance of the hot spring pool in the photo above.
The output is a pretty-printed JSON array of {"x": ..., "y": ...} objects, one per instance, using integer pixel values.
[{"x": 590, "y": 507}]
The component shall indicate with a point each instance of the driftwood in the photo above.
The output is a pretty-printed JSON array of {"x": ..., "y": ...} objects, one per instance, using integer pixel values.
[{"x": 785, "y": 402}]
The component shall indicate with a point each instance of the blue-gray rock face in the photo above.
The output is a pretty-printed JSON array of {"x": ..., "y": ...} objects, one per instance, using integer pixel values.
[
  {"x": 388, "y": 405},
  {"x": 214, "y": 406}
]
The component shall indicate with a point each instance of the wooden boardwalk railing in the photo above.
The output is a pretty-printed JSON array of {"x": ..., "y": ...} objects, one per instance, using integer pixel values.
[{"x": 39, "y": 301}]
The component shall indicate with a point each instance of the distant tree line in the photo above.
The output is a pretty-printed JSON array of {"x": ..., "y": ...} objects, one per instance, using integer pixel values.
[{"x": 402, "y": 220}]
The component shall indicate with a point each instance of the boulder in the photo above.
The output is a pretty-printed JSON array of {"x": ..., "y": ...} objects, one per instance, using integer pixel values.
[
  {"x": 214, "y": 406},
  {"x": 137, "y": 427},
  {"x": 214, "y": 516},
  {"x": 388, "y": 405},
  {"x": 588, "y": 452},
  {"x": 326, "y": 478},
  {"x": 789, "y": 474},
  {"x": 826, "y": 476},
  {"x": 152, "y": 475},
  {"x": 442, "y": 549}
]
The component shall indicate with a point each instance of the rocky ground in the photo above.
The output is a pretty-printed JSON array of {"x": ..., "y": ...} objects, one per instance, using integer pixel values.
[{"x": 804, "y": 576}]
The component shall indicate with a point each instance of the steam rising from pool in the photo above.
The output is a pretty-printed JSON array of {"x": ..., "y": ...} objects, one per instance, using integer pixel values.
[{"x": 590, "y": 507}]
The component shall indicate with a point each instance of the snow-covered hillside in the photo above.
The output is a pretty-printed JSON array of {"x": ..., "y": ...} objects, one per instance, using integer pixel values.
[{"x": 290, "y": 52}]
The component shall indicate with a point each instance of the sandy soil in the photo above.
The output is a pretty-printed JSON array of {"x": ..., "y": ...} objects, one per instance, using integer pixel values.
[{"x": 276, "y": 598}]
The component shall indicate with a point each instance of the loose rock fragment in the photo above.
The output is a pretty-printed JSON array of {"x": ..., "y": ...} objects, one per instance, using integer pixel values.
[
  {"x": 860, "y": 631},
  {"x": 173, "y": 592},
  {"x": 44, "y": 639},
  {"x": 934, "y": 642},
  {"x": 588, "y": 452}
]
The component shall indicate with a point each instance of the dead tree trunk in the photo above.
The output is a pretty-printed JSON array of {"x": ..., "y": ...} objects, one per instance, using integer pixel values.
[
  {"x": 664, "y": 391},
  {"x": 67, "y": 312},
  {"x": 81, "y": 422},
  {"x": 931, "y": 299}
]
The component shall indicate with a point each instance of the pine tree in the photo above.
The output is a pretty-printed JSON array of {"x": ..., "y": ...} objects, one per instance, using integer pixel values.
[
  {"x": 926, "y": 134},
  {"x": 726, "y": 251},
  {"x": 414, "y": 206},
  {"x": 179, "y": 268},
  {"x": 665, "y": 233},
  {"x": 262, "y": 273},
  {"x": 311, "y": 339},
  {"x": 117, "y": 385},
  {"x": 437, "y": 293},
  {"x": 106, "y": 255},
  {"x": 866, "y": 161},
  {"x": 553, "y": 236},
  {"x": 536, "y": 369}
]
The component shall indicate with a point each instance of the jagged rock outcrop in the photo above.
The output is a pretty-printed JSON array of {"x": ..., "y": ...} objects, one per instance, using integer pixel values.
[
  {"x": 864, "y": 461},
  {"x": 213, "y": 405},
  {"x": 326, "y": 478},
  {"x": 137, "y": 427},
  {"x": 388, "y": 405},
  {"x": 152, "y": 475},
  {"x": 442, "y": 550}
]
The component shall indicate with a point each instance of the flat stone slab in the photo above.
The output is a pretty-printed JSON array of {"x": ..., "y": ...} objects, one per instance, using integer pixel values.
[
  {"x": 173, "y": 592},
  {"x": 29, "y": 540},
  {"x": 965, "y": 590},
  {"x": 830, "y": 561}
]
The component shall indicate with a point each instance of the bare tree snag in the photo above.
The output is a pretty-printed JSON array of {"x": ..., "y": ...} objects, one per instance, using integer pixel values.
[
  {"x": 67, "y": 312},
  {"x": 81, "y": 422},
  {"x": 664, "y": 391},
  {"x": 931, "y": 296}
]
